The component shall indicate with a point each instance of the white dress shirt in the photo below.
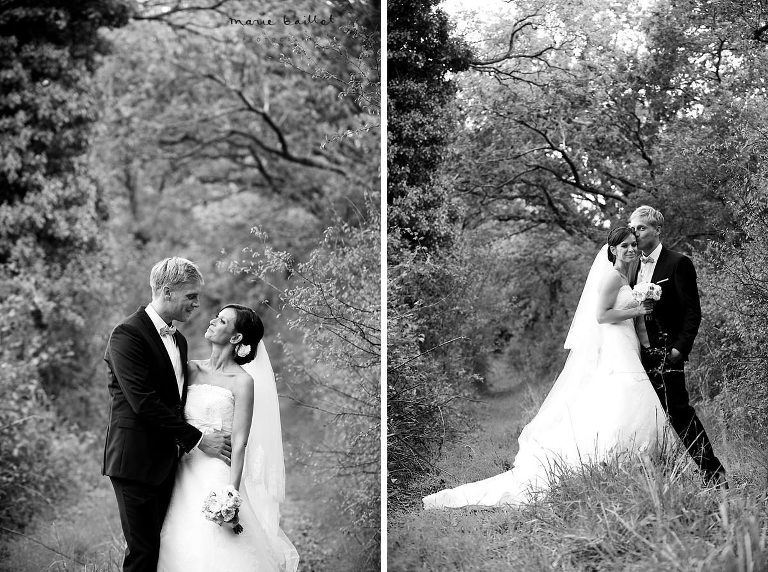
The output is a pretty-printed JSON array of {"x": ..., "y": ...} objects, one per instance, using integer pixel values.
[
  {"x": 646, "y": 268},
  {"x": 644, "y": 275},
  {"x": 170, "y": 346}
]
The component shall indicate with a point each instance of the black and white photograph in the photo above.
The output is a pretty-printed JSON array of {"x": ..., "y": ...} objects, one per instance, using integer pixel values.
[
  {"x": 190, "y": 278},
  {"x": 576, "y": 197},
  {"x": 223, "y": 221}
]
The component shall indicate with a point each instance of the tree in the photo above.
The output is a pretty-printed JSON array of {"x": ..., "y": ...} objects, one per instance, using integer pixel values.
[
  {"x": 596, "y": 127},
  {"x": 52, "y": 278},
  {"x": 421, "y": 55},
  {"x": 212, "y": 128},
  {"x": 333, "y": 300},
  {"x": 240, "y": 110},
  {"x": 421, "y": 228}
]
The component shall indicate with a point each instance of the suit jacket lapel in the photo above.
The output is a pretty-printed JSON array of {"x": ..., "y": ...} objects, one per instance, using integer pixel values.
[
  {"x": 181, "y": 342},
  {"x": 153, "y": 335}
]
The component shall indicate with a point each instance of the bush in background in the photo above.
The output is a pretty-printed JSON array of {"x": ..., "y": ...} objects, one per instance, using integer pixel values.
[
  {"x": 333, "y": 300},
  {"x": 52, "y": 278},
  {"x": 732, "y": 341}
]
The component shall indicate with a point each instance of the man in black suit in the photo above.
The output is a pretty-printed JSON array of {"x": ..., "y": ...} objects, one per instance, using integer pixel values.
[
  {"x": 146, "y": 368},
  {"x": 667, "y": 335}
]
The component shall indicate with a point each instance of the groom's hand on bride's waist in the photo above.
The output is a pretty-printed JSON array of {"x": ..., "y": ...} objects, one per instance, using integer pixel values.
[{"x": 217, "y": 444}]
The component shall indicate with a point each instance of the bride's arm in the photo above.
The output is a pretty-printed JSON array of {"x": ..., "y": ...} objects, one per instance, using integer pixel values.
[
  {"x": 241, "y": 426},
  {"x": 606, "y": 313}
]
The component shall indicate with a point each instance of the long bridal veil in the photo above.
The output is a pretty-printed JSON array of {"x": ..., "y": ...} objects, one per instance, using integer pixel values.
[
  {"x": 584, "y": 332},
  {"x": 264, "y": 467},
  {"x": 584, "y": 340}
]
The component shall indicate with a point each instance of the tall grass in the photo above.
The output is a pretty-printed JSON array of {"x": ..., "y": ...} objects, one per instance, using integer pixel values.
[
  {"x": 628, "y": 512},
  {"x": 83, "y": 536},
  {"x": 622, "y": 514}
]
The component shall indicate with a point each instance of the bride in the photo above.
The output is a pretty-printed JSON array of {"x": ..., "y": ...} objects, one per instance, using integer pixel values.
[
  {"x": 233, "y": 390},
  {"x": 601, "y": 403}
]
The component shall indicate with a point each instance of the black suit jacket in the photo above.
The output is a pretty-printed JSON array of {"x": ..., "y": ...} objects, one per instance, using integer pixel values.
[
  {"x": 146, "y": 419},
  {"x": 677, "y": 315}
]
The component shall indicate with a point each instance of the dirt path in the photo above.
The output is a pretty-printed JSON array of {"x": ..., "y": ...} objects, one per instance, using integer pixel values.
[
  {"x": 490, "y": 447},
  {"x": 430, "y": 540}
]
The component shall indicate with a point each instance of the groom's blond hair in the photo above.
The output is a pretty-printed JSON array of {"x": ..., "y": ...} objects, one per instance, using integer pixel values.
[
  {"x": 653, "y": 215},
  {"x": 173, "y": 272}
]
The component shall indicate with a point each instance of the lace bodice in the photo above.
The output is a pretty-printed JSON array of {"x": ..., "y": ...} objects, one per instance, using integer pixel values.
[{"x": 210, "y": 407}]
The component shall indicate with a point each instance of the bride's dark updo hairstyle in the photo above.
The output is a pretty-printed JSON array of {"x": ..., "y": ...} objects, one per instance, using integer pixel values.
[
  {"x": 249, "y": 325},
  {"x": 616, "y": 237}
]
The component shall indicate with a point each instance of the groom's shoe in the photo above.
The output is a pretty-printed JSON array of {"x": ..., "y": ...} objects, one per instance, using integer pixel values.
[{"x": 718, "y": 480}]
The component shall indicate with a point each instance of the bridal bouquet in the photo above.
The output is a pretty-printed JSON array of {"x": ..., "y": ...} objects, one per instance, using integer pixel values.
[
  {"x": 646, "y": 291},
  {"x": 223, "y": 506}
]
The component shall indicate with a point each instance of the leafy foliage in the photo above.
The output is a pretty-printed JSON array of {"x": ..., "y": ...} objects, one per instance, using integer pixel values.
[
  {"x": 202, "y": 118},
  {"x": 733, "y": 275},
  {"x": 602, "y": 126},
  {"x": 437, "y": 354},
  {"x": 47, "y": 53},
  {"x": 424, "y": 287},
  {"x": 421, "y": 121},
  {"x": 333, "y": 299},
  {"x": 53, "y": 283}
]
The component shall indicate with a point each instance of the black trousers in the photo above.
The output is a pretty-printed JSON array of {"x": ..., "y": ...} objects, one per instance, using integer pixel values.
[
  {"x": 669, "y": 382},
  {"x": 142, "y": 511}
]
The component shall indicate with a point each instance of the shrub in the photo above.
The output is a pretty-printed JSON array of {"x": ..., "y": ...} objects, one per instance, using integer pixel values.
[
  {"x": 732, "y": 341},
  {"x": 333, "y": 300}
]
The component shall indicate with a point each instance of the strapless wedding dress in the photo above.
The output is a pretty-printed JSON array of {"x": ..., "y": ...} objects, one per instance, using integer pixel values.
[
  {"x": 189, "y": 542},
  {"x": 600, "y": 405}
]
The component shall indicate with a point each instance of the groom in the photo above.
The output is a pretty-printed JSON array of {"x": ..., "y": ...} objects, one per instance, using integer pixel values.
[
  {"x": 667, "y": 339},
  {"x": 146, "y": 369}
]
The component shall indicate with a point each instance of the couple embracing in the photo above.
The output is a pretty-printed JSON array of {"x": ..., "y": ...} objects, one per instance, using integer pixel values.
[
  {"x": 180, "y": 430},
  {"x": 623, "y": 384}
]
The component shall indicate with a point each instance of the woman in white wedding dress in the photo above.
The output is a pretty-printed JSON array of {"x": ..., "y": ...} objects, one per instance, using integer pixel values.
[
  {"x": 602, "y": 403},
  {"x": 233, "y": 390}
]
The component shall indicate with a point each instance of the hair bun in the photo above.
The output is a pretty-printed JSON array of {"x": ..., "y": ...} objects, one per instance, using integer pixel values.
[{"x": 247, "y": 323}]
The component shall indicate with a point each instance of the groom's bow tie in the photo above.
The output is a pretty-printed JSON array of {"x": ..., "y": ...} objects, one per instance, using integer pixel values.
[
  {"x": 647, "y": 259},
  {"x": 167, "y": 330}
]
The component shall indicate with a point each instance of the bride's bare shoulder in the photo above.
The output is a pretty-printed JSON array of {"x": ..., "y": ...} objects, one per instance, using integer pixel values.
[
  {"x": 242, "y": 383},
  {"x": 613, "y": 279},
  {"x": 242, "y": 387}
]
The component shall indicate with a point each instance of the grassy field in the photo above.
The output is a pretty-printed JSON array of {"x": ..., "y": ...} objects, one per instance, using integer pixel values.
[{"x": 636, "y": 516}]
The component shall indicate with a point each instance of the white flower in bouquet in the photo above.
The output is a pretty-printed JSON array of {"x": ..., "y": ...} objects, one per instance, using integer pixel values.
[
  {"x": 223, "y": 506},
  {"x": 646, "y": 291}
]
